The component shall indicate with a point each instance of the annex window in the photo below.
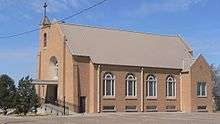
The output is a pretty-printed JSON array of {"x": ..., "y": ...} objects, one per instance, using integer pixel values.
[
  {"x": 151, "y": 86},
  {"x": 45, "y": 39},
  {"x": 151, "y": 108},
  {"x": 109, "y": 85},
  {"x": 201, "y": 89},
  {"x": 201, "y": 108},
  {"x": 108, "y": 109},
  {"x": 130, "y": 85},
  {"x": 171, "y": 108},
  {"x": 130, "y": 108},
  {"x": 170, "y": 87}
]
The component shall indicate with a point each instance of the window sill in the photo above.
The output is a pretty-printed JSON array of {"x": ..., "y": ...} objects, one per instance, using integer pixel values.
[
  {"x": 108, "y": 97},
  {"x": 171, "y": 110},
  {"x": 151, "y": 97},
  {"x": 202, "y": 96},
  {"x": 202, "y": 110},
  {"x": 131, "y": 110},
  {"x": 109, "y": 110},
  {"x": 171, "y": 98},
  {"x": 151, "y": 110},
  {"x": 130, "y": 97}
]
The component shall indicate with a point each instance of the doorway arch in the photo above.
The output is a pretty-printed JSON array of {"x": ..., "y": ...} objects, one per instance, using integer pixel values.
[{"x": 53, "y": 74}]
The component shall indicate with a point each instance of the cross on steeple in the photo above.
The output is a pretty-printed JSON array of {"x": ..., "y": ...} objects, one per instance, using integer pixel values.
[
  {"x": 45, "y": 9},
  {"x": 45, "y": 20}
]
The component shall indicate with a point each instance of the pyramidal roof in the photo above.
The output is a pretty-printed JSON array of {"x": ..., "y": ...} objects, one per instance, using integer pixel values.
[
  {"x": 119, "y": 47},
  {"x": 45, "y": 21}
]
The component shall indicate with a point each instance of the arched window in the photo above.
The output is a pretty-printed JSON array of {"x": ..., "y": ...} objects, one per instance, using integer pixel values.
[
  {"x": 151, "y": 86},
  {"x": 109, "y": 85},
  {"x": 130, "y": 85},
  {"x": 45, "y": 39},
  {"x": 53, "y": 68},
  {"x": 170, "y": 87}
]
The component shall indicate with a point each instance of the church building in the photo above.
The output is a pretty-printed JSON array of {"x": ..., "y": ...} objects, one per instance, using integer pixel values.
[{"x": 95, "y": 69}]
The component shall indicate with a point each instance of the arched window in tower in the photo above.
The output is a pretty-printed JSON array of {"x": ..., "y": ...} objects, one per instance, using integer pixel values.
[
  {"x": 45, "y": 39},
  {"x": 53, "y": 68}
]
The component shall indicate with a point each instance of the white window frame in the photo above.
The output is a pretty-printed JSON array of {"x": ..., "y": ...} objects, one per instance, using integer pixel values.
[
  {"x": 131, "y": 77},
  {"x": 173, "y": 81},
  {"x": 153, "y": 79},
  {"x": 200, "y": 89},
  {"x": 112, "y": 79}
]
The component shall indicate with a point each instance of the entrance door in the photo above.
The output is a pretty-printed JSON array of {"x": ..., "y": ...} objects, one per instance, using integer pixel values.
[
  {"x": 51, "y": 94},
  {"x": 82, "y": 104}
]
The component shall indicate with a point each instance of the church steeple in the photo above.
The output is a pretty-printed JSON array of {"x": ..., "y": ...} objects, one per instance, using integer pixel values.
[{"x": 45, "y": 20}]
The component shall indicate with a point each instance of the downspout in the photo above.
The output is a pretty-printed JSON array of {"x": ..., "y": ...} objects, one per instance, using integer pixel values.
[
  {"x": 142, "y": 89},
  {"x": 98, "y": 89},
  {"x": 64, "y": 68},
  {"x": 39, "y": 72}
]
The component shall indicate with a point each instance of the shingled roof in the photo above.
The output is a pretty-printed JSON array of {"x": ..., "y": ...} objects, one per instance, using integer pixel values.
[{"x": 119, "y": 47}]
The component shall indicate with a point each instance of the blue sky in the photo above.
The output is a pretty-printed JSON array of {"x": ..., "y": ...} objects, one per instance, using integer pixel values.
[{"x": 198, "y": 21}]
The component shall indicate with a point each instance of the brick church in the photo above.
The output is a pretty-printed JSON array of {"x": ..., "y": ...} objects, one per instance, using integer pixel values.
[{"x": 95, "y": 69}]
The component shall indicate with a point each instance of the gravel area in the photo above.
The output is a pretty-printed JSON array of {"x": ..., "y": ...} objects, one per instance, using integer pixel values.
[{"x": 118, "y": 118}]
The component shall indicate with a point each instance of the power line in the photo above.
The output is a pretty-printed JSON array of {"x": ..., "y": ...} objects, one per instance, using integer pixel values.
[
  {"x": 83, "y": 10},
  {"x": 18, "y": 34},
  {"x": 66, "y": 18}
]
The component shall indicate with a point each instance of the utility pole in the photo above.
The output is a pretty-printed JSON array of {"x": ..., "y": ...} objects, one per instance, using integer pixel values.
[{"x": 64, "y": 105}]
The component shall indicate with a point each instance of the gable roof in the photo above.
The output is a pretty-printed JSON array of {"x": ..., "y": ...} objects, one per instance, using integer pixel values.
[{"x": 118, "y": 47}]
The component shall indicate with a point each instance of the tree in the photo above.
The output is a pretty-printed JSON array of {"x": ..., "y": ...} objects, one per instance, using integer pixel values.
[
  {"x": 216, "y": 88},
  {"x": 27, "y": 99},
  {"x": 7, "y": 93}
]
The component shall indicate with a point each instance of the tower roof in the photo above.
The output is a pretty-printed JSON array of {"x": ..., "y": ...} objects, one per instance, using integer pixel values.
[{"x": 45, "y": 21}]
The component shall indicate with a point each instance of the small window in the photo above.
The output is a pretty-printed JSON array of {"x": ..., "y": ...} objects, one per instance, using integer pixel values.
[
  {"x": 130, "y": 108},
  {"x": 201, "y": 89},
  {"x": 171, "y": 108},
  {"x": 45, "y": 39},
  {"x": 151, "y": 108},
  {"x": 201, "y": 108},
  {"x": 108, "y": 109}
]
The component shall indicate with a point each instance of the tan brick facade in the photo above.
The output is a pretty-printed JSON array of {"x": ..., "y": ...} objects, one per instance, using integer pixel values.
[{"x": 78, "y": 77}]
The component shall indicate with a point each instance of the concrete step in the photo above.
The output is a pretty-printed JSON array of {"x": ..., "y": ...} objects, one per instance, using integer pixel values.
[{"x": 54, "y": 110}]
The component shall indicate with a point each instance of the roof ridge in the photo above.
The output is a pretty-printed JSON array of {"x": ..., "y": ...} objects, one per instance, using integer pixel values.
[
  {"x": 117, "y": 29},
  {"x": 186, "y": 44}
]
